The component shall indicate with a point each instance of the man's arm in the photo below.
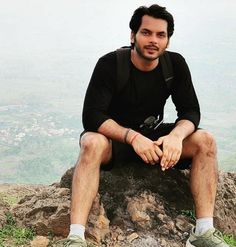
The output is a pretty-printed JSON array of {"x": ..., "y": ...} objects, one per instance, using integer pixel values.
[
  {"x": 99, "y": 93},
  {"x": 183, "y": 129},
  {"x": 188, "y": 111},
  {"x": 144, "y": 147},
  {"x": 183, "y": 93}
]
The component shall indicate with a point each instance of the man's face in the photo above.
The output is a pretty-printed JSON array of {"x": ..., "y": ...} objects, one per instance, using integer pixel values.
[{"x": 151, "y": 39}]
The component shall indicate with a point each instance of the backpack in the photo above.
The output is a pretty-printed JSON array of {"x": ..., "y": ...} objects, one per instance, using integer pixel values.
[{"x": 123, "y": 67}]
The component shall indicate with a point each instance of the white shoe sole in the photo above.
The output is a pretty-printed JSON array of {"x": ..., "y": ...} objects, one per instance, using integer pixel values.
[{"x": 188, "y": 244}]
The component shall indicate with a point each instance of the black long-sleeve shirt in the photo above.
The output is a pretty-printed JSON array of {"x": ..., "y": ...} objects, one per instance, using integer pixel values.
[{"x": 144, "y": 95}]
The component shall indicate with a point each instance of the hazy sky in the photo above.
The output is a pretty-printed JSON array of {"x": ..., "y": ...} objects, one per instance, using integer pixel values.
[
  {"x": 60, "y": 40},
  {"x": 39, "y": 25}
]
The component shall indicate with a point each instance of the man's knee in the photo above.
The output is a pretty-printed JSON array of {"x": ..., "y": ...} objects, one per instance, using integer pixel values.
[
  {"x": 205, "y": 142},
  {"x": 94, "y": 143},
  {"x": 200, "y": 141}
]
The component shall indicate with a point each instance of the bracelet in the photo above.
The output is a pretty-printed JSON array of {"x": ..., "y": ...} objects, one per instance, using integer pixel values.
[
  {"x": 133, "y": 137},
  {"x": 126, "y": 135}
]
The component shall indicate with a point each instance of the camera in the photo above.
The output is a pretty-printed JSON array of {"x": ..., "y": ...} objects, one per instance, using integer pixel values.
[{"x": 150, "y": 124}]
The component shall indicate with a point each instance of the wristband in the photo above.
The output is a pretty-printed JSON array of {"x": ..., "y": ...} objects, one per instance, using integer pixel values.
[
  {"x": 126, "y": 135},
  {"x": 133, "y": 137}
]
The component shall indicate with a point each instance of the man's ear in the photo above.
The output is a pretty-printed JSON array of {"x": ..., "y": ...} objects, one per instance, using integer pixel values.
[{"x": 132, "y": 37}]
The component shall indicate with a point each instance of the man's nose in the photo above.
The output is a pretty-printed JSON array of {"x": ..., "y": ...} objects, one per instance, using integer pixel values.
[{"x": 153, "y": 39}]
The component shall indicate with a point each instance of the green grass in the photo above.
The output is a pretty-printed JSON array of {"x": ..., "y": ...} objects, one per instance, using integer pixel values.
[
  {"x": 230, "y": 239},
  {"x": 189, "y": 213},
  {"x": 8, "y": 199},
  {"x": 13, "y": 234}
]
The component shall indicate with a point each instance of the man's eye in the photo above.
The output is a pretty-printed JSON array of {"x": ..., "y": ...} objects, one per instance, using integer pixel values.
[
  {"x": 145, "y": 33},
  {"x": 162, "y": 35}
]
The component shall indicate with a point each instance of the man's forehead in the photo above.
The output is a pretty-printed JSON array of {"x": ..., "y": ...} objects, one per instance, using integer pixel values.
[{"x": 153, "y": 24}]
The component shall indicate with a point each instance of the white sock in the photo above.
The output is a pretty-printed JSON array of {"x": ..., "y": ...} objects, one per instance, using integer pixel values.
[
  {"x": 77, "y": 229},
  {"x": 203, "y": 225}
]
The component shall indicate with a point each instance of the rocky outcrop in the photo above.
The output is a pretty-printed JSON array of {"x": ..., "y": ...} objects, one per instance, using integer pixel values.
[
  {"x": 136, "y": 206},
  {"x": 47, "y": 211},
  {"x": 10, "y": 194},
  {"x": 4, "y": 208},
  {"x": 225, "y": 209}
]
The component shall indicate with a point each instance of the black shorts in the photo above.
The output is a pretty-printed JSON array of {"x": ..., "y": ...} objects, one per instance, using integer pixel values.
[{"x": 122, "y": 152}]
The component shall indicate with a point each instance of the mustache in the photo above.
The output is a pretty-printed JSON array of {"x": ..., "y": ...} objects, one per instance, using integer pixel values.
[{"x": 152, "y": 47}]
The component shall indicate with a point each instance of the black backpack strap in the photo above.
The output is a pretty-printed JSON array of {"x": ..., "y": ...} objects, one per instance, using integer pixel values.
[
  {"x": 167, "y": 69},
  {"x": 123, "y": 67}
]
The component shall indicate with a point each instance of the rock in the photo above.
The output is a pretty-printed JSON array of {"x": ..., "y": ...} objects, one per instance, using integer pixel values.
[
  {"x": 225, "y": 208},
  {"x": 98, "y": 224},
  {"x": 47, "y": 212},
  {"x": 40, "y": 241},
  {"x": 133, "y": 200},
  {"x": 66, "y": 179},
  {"x": 132, "y": 236},
  {"x": 4, "y": 208},
  {"x": 182, "y": 223},
  {"x": 137, "y": 208},
  {"x": 146, "y": 242},
  {"x": 10, "y": 194}
]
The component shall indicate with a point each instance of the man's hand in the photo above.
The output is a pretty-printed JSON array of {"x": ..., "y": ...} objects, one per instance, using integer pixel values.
[
  {"x": 147, "y": 149},
  {"x": 171, "y": 148}
]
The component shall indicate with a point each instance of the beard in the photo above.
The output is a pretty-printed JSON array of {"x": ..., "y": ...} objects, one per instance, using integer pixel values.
[{"x": 147, "y": 56}]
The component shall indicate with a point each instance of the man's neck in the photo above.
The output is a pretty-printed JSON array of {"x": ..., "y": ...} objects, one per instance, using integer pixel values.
[{"x": 142, "y": 63}]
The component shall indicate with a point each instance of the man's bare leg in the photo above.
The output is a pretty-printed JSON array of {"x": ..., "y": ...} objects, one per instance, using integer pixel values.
[
  {"x": 201, "y": 147},
  {"x": 95, "y": 149}
]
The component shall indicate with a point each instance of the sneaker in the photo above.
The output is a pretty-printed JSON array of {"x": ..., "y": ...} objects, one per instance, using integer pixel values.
[
  {"x": 73, "y": 241},
  {"x": 211, "y": 238}
]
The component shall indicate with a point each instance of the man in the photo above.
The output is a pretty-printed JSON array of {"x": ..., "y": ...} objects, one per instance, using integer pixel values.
[{"x": 115, "y": 119}]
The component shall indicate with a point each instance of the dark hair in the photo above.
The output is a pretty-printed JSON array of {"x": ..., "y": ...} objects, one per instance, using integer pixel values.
[{"x": 155, "y": 11}]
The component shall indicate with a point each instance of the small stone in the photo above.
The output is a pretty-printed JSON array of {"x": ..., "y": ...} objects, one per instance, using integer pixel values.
[
  {"x": 132, "y": 237},
  {"x": 164, "y": 230},
  {"x": 163, "y": 242},
  {"x": 170, "y": 225},
  {"x": 63, "y": 192},
  {"x": 174, "y": 245},
  {"x": 40, "y": 241},
  {"x": 120, "y": 238},
  {"x": 161, "y": 217},
  {"x": 183, "y": 224}
]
